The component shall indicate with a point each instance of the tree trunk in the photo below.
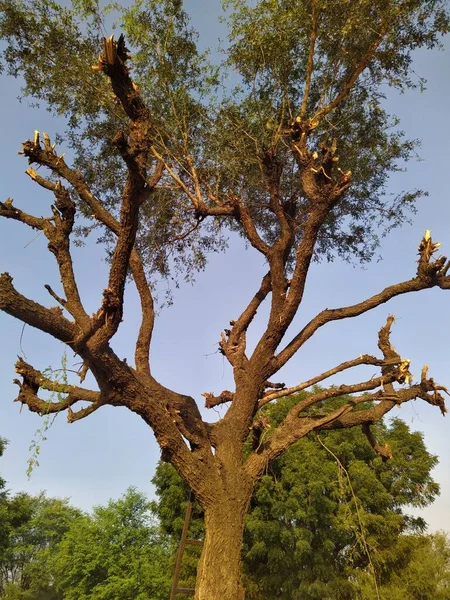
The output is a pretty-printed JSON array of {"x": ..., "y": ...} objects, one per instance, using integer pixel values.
[{"x": 219, "y": 570}]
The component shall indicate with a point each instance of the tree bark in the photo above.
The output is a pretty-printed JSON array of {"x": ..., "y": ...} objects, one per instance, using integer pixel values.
[{"x": 219, "y": 571}]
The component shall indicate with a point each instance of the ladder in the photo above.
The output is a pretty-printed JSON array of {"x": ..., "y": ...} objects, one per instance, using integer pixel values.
[{"x": 183, "y": 543}]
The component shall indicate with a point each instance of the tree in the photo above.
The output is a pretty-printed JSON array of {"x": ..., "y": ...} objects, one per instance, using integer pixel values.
[
  {"x": 189, "y": 160},
  {"x": 54, "y": 551},
  {"x": 114, "y": 554},
  {"x": 421, "y": 571},
  {"x": 34, "y": 525},
  {"x": 3, "y": 506},
  {"x": 323, "y": 514}
]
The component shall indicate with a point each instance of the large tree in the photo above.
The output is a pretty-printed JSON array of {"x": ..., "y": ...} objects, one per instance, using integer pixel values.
[
  {"x": 295, "y": 159},
  {"x": 324, "y": 513}
]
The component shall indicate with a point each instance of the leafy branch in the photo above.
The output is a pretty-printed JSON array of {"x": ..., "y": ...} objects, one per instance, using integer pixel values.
[{"x": 59, "y": 376}]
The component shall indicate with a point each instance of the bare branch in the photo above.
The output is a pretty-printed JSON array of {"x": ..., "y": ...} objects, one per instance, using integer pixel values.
[
  {"x": 49, "y": 320},
  {"x": 112, "y": 305},
  {"x": 54, "y": 295},
  {"x": 33, "y": 380},
  {"x": 273, "y": 169},
  {"x": 384, "y": 451},
  {"x": 343, "y": 417},
  {"x": 364, "y": 359},
  {"x": 57, "y": 230},
  {"x": 300, "y": 421},
  {"x": 244, "y": 217},
  {"x": 430, "y": 274},
  {"x": 48, "y": 157},
  {"x": 73, "y": 416},
  {"x": 211, "y": 401},
  {"x": 142, "y": 350},
  {"x": 240, "y": 326},
  {"x": 9, "y": 211},
  {"x": 134, "y": 149},
  {"x": 45, "y": 183},
  {"x": 284, "y": 304}
]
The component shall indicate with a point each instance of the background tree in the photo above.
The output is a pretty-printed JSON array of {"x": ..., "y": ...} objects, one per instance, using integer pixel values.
[
  {"x": 421, "y": 571},
  {"x": 296, "y": 159},
  {"x": 325, "y": 512},
  {"x": 55, "y": 552},
  {"x": 3, "y": 507},
  {"x": 35, "y": 526},
  {"x": 114, "y": 554}
]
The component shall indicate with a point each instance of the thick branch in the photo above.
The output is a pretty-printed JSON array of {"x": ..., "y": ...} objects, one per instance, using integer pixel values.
[
  {"x": 245, "y": 219},
  {"x": 136, "y": 191},
  {"x": 343, "y": 417},
  {"x": 49, "y": 158},
  {"x": 112, "y": 306},
  {"x": 59, "y": 240},
  {"x": 57, "y": 230},
  {"x": 112, "y": 63},
  {"x": 273, "y": 170},
  {"x": 300, "y": 421},
  {"x": 134, "y": 149},
  {"x": 49, "y": 320},
  {"x": 142, "y": 350},
  {"x": 236, "y": 336},
  {"x": 9, "y": 211},
  {"x": 33, "y": 380},
  {"x": 284, "y": 304},
  {"x": 303, "y": 258},
  {"x": 430, "y": 274}
]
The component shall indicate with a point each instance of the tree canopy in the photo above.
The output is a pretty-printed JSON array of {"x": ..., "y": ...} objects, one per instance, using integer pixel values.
[
  {"x": 55, "y": 552},
  {"x": 289, "y": 68},
  {"x": 114, "y": 554}
]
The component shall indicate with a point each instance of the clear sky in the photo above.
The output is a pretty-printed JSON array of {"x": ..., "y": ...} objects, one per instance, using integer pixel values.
[{"x": 99, "y": 457}]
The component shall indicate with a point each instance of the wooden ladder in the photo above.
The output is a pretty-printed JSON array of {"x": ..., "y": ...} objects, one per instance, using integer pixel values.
[{"x": 183, "y": 543}]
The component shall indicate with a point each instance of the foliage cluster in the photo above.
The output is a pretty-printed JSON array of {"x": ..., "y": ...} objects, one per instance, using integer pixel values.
[
  {"x": 223, "y": 111},
  {"x": 55, "y": 552}
]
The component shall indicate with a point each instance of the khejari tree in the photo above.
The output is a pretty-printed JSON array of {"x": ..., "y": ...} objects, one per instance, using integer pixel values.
[{"x": 295, "y": 159}]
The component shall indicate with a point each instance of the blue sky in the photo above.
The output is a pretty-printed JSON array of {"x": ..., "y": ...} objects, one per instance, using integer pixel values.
[{"x": 99, "y": 457}]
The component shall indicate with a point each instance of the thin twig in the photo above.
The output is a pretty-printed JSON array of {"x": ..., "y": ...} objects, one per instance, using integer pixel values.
[{"x": 355, "y": 501}]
